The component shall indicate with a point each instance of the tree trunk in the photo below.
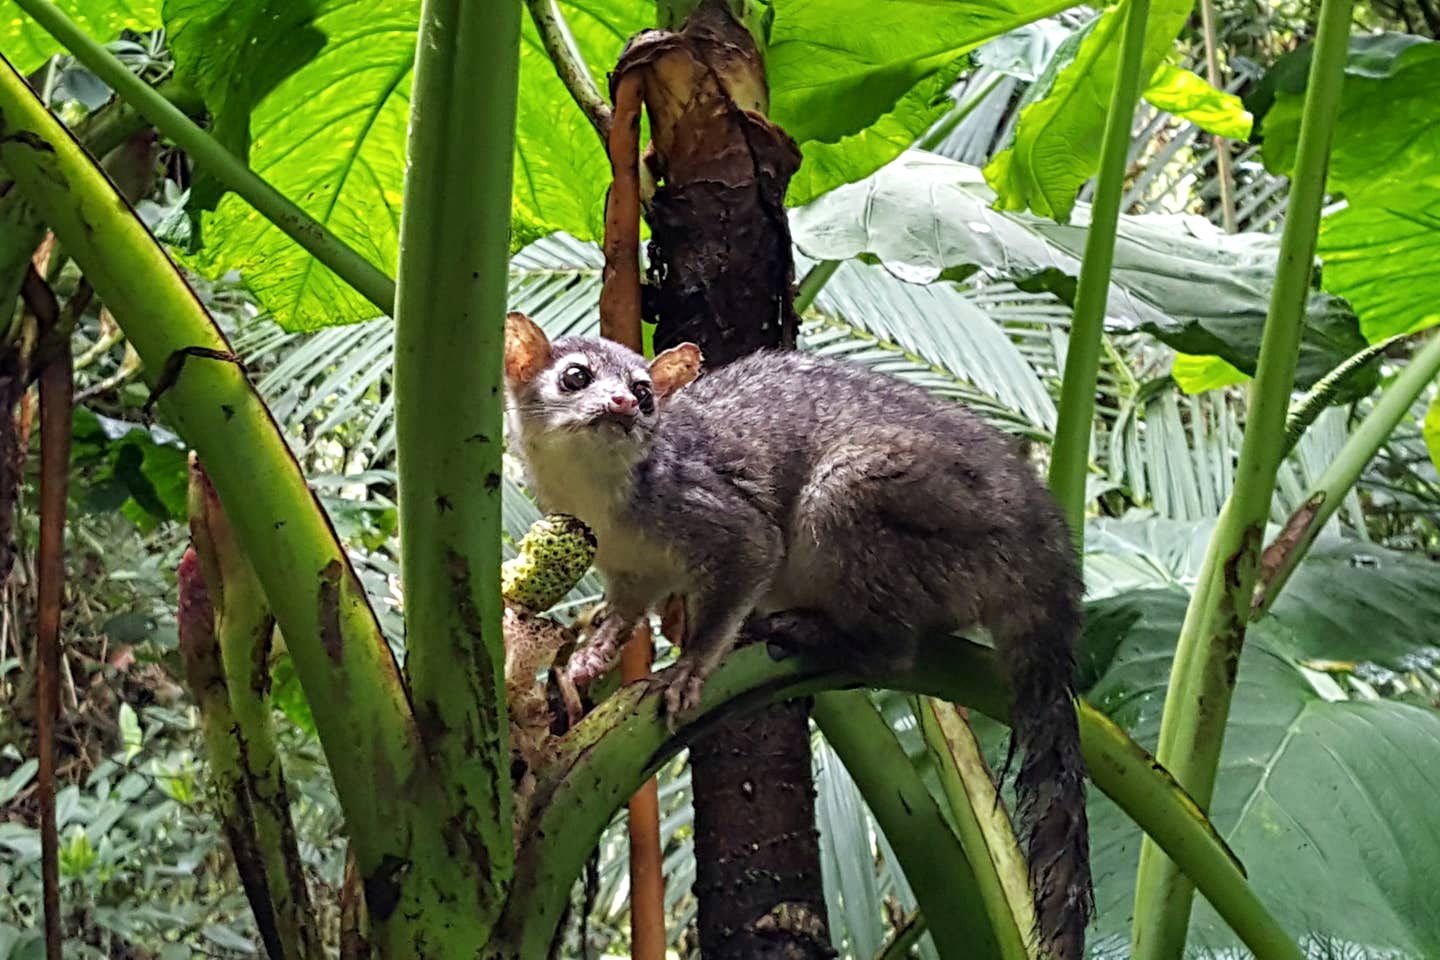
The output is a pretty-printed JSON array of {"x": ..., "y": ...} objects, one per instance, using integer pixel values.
[{"x": 721, "y": 275}]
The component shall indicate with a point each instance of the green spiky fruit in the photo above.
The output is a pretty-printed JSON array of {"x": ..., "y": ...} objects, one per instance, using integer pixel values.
[{"x": 551, "y": 558}]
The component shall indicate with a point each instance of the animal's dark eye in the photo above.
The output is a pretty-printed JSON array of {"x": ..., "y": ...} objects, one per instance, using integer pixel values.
[
  {"x": 576, "y": 377},
  {"x": 645, "y": 395}
]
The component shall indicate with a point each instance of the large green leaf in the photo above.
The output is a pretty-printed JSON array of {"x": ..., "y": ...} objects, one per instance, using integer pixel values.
[
  {"x": 1179, "y": 278},
  {"x": 837, "y": 66},
  {"x": 331, "y": 136},
  {"x": 828, "y": 165},
  {"x": 27, "y": 46},
  {"x": 561, "y": 172},
  {"x": 1057, "y": 141},
  {"x": 1379, "y": 251},
  {"x": 1312, "y": 791},
  {"x": 281, "y": 35},
  {"x": 1186, "y": 95}
]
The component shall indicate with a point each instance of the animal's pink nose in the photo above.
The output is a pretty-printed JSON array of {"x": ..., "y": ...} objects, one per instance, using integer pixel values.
[{"x": 623, "y": 403}]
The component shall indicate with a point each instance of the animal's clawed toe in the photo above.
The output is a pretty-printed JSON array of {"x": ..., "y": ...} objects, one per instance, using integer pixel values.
[{"x": 682, "y": 691}]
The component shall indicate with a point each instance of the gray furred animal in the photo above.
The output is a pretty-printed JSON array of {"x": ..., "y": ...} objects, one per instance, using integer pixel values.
[{"x": 788, "y": 482}]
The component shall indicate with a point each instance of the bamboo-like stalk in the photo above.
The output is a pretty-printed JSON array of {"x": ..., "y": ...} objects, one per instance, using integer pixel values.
[
  {"x": 367, "y": 279},
  {"x": 242, "y": 628},
  {"x": 449, "y": 340},
  {"x": 1070, "y": 454},
  {"x": 1197, "y": 703},
  {"x": 1324, "y": 498},
  {"x": 985, "y": 833},
  {"x": 945, "y": 874},
  {"x": 363, "y": 715},
  {"x": 626, "y": 739}
]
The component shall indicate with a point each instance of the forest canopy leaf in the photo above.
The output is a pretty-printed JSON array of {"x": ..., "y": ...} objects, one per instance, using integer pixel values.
[
  {"x": 27, "y": 46},
  {"x": 1380, "y": 248},
  {"x": 1178, "y": 278},
  {"x": 1056, "y": 145}
]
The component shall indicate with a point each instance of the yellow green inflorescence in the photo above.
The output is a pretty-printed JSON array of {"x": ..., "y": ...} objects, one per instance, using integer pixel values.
[{"x": 551, "y": 559}]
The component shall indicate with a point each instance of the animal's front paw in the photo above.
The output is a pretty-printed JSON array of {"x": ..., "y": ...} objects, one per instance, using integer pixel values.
[
  {"x": 589, "y": 664},
  {"x": 683, "y": 683}
]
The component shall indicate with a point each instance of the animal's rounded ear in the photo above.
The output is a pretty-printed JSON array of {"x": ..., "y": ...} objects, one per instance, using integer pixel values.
[
  {"x": 527, "y": 349},
  {"x": 675, "y": 368}
]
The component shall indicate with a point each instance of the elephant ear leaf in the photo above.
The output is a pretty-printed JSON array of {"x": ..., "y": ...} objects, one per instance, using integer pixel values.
[
  {"x": 1178, "y": 278},
  {"x": 1056, "y": 146},
  {"x": 1380, "y": 248},
  {"x": 27, "y": 45},
  {"x": 1310, "y": 785}
]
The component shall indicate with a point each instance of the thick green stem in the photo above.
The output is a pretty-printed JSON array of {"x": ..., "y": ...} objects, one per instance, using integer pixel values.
[
  {"x": 368, "y": 280},
  {"x": 985, "y": 832},
  {"x": 1070, "y": 455},
  {"x": 1202, "y": 679},
  {"x": 1395, "y": 403},
  {"x": 395, "y": 812},
  {"x": 449, "y": 339},
  {"x": 944, "y": 874},
  {"x": 601, "y": 761},
  {"x": 1171, "y": 819},
  {"x": 811, "y": 284}
]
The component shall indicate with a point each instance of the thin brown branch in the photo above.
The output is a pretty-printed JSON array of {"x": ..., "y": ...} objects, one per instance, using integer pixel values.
[
  {"x": 620, "y": 321},
  {"x": 56, "y": 394},
  {"x": 647, "y": 876},
  {"x": 620, "y": 292},
  {"x": 1222, "y": 147},
  {"x": 570, "y": 65}
]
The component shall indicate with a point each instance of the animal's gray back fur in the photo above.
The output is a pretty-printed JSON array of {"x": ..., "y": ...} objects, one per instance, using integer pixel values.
[{"x": 786, "y": 481}]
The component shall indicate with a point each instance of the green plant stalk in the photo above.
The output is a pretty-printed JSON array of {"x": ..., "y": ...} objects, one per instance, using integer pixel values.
[
  {"x": 936, "y": 135},
  {"x": 367, "y": 279},
  {"x": 449, "y": 340},
  {"x": 345, "y": 666},
  {"x": 1070, "y": 454},
  {"x": 1197, "y": 703},
  {"x": 811, "y": 284},
  {"x": 21, "y": 231},
  {"x": 984, "y": 827},
  {"x": 945, "y": 875},
  {"x": 244, "y": 628},
  {"x": 1344, "y": 472},
  {"x": 600, "y": 763},
  {"x": 570, "y": 65}
]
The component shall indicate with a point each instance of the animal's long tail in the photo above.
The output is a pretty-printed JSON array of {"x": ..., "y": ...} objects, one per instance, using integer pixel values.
[{"x": 1051, "y": 781}]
